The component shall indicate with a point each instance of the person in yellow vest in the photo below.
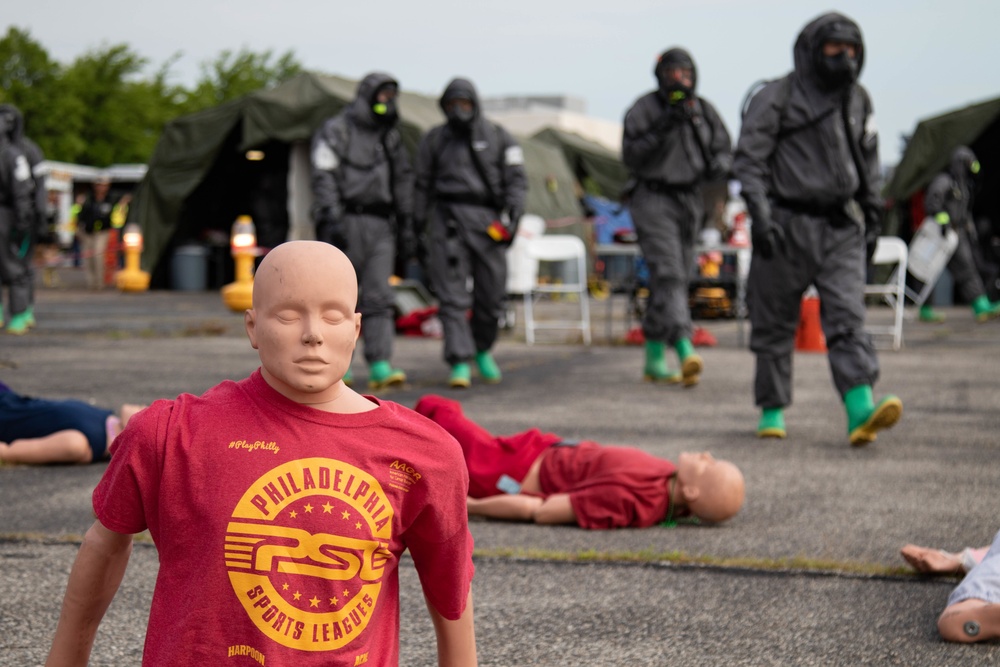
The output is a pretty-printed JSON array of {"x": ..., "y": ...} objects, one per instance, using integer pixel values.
[
  {"x": 93, "y": 224},
  {"x": 71, "y": 228},
  {"x": 119, "y": 216}
]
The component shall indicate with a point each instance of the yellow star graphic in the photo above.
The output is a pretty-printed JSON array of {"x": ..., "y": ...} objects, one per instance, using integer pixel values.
[
  {"x": 309, "y": 508},
  {"x": 314, "y": 601},
  {"x": 346, "y": 592},
  {"x": 327, "y": 508},
  {"x": 296, "y": 595},
  {"x": 346, "y": 514},
  {"x": 333, "y": 601},
  {"x": 293, "y": 514},
  {"x": 284, "y": 587},
  {"x": 358, "y": 525}
]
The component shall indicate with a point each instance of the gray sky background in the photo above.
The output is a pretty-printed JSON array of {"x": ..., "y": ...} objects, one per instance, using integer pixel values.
[{"x": 924, "y": 57}]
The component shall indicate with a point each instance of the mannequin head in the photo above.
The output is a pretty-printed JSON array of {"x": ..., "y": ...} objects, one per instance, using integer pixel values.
[
  {"x": 303, "y": 322},
  {"x": 711, "y": 489}
]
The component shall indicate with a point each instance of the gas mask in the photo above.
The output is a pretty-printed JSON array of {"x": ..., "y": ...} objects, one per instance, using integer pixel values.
[
  {"x": 838, "y": 70},
  {"x": 383, "y": 107},
  {"x": 672, "y": 90},
  {"x": 385, "y": 113},
  {"x": 460, "y": 118}
]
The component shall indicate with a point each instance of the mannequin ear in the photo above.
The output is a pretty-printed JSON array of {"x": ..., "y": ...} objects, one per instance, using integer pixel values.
[
  {"x": 690, "y": 493},
  {"x": 249, "y": 321}
]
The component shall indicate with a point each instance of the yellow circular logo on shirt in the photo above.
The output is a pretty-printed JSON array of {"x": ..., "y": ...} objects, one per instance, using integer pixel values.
[{"x": 306, "y": 550}]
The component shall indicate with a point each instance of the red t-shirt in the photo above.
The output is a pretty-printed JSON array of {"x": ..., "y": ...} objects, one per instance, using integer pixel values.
[
  {"x": 279, "y": 527},
  {"x": 609, "y": 487},
  {"x": 487, "y": 457}
]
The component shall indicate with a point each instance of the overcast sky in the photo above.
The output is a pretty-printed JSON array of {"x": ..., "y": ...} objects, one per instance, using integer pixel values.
[{"x": 924, "y": 57}]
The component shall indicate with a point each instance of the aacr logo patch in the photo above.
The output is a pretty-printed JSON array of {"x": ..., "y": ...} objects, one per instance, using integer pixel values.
[{"x": 306, "y": 550}]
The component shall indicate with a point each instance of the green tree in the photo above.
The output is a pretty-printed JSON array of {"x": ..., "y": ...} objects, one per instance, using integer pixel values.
[
  {"x": 32, "y": 81},
  {"x": 113, "y": 106},
  {"x": 232, "y": 75},
  {"x": 104, "y": 109}
]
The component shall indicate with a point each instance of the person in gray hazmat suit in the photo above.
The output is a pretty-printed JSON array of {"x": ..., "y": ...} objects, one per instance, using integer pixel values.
[
  {"x": 673, "y": 141},
  {"x": 14, "y": 123},
  {"x": 949, "y": 200},
  {"x": 17, "y": 222},
  {"x": 362, "y": 183},
  {"x": 469, "y": 196},
  {"x": 807, "y": 158}
]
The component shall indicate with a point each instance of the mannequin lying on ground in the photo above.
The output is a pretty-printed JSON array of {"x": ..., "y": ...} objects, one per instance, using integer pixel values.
[
  {"x": 973, "y": 611},
  {"x": 539, "y": 477},
  {"x": 40, "y": 431}
]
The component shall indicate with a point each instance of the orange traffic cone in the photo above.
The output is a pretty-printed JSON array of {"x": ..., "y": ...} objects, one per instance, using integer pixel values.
[{"x": 809, "y": 336}]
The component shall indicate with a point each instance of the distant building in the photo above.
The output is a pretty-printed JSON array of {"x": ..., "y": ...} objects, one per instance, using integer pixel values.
[{"x": 527, "y": 114}]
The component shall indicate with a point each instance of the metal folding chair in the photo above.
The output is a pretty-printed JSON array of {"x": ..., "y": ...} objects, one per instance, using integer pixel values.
[
  {"x": 891, "y": 250},
  {"x": 570, "y": 252}
]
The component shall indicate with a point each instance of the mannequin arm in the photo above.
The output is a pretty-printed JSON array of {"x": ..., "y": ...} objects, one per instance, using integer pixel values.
[
  {"x": 456, "y": 640},
  {"x": 96, "y": 575}
]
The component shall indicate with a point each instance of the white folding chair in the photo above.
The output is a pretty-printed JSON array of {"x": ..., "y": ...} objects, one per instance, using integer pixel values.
[
  {"x": 929, "y": 253},
  {"x": 889, "y": 251},
  {"x": 568, "y": 251}
]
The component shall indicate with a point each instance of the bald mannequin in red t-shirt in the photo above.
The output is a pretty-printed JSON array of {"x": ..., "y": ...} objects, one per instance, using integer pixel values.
[{"x": 534, "y": 476}]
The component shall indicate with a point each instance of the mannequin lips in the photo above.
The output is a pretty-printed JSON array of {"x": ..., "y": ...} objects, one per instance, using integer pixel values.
[{"x": 310, "y": 361}]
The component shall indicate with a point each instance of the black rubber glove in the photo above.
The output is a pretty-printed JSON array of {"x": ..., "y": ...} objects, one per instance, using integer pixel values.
[
  {"x": 873, "y": 229},
  {"x": 768, "y": 238},
  {"x": 406, "y": 242},
  {"x": 673, "y": 113},
  {"x": 330, "y": 229},
  {"x": 944, "y": 222},
  {"x": 514, "y": 216},
  {"x": 718, "y": 170},
  {"x": 420, "y": 246}
]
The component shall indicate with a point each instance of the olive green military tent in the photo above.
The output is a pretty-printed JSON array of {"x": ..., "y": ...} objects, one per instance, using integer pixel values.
[
  {"x": 591, "y": 162},
  {"x": 929, "y": 151},
  {"x": 250, "y": 156}
]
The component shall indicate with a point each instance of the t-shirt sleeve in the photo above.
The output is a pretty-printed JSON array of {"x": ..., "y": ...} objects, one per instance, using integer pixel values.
[
  {"x": 125, "y": 500},
  {"x": 440, "y": 542},
  {"x": 445, "y": 570}
]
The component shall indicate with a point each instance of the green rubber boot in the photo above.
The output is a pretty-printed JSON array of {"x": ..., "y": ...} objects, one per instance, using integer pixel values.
[
  {"x": 30, "y": 317},
  {"x": 691, "y": 364},
  {"x": 865, "y": 419},
  {"x": 984, "y": 310},
  {"x": 771, "y": 424},
  {"x": 656, "y": 369},
  {"x": 18, "y": 325},
  {"x": 928, "y": 314},
  {"x": 488, "y": 369},
  {"x": 383, "y": 375},
  {"x": 461, "y": 376}
]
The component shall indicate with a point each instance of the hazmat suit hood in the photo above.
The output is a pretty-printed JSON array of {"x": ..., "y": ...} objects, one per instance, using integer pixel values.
[
  {"x": 364, "y": 109},
  {"x": 811, "y": 66},
  {"x": 460, "y": 88},
  {"x": 15, "y": 131},
  {"x": 964, "y": 165},
  {"x": 675, "y": 57}
]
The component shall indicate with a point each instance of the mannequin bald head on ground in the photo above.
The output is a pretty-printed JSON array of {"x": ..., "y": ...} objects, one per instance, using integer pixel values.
[
  {"x": 304, "y": 326},
  {"x": 711, "y": 489}
]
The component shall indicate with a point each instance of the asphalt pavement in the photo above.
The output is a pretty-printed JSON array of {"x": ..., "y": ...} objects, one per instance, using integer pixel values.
[{"x": 808, "y": 573}]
